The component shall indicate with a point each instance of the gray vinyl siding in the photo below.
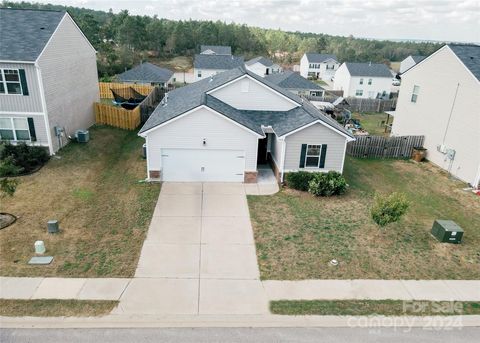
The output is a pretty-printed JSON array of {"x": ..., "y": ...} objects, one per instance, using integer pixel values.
[
  {"x": 69, "y": 74},
  {"x": 38, "y": 122},
  {"x": 315, "y": 134},
  {"x": 23, "y": 103}
]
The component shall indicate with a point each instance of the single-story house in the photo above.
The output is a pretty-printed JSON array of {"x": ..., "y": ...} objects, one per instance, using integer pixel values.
[
  {"x": 409, "y": 62},
  {"x": 222, "y": 128},
  {"x": 262, "y": 66},
  {"x": 215, "y": 50},
  {"x": 318, "y": 66},
  {"x": 295, "y": 83},
  {"x": 147, "y": 73},
  {"x": 440, "y": 99},
  {"x": 364, "y": 80}
]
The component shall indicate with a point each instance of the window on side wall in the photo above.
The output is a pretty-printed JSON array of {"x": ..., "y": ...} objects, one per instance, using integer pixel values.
[
  {"x": 359, "y": 92},
  {"x": 312, "y": 157},
  {"x": 199, "y": 74},
  {"x": 416, "y": 90},
  {"x": 361, "y": 81},
  {"x": 10, "y": 81},
  {"x": 369, "y": 81},
  {"x": 14, "y": 129}
]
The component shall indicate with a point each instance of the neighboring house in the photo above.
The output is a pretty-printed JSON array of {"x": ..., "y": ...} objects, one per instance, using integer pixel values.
[
  {"x": 147, "y": 73},
  {"x": 440, "y": 99},
  {"x": 262, "y": 66},
  {"x": 222, "y": 128},
  {"x": 318, "y": 66},
  {"x": 207, "y": 65},
  {"x": 215, "y": 50},
  {"x": 48, "y": 78},
  {"x": 409, "y": 62},
  {"x": 295, "y": 83},
  {"x": 364, "y": 80}
]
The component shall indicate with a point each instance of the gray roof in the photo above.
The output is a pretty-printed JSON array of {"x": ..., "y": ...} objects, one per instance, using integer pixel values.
[
  {"x": 469, "y": 54},
  {"x": 24, "y": 33},
  {"x": 146, "y": 73},
  {"x": 222, "y": 62},
  {"x": 260, "y": 59},
  {"x": 319, "y": 58},
  {"x": 368, "y": 69},
  {"x": 292, "y": 80},
  {"x": 417, "y": 58},
  {"x": 218, "y": 49},
  {"x": 184, "y": 99}
]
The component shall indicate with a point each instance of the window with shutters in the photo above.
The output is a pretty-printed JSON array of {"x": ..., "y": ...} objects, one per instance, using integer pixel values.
[
  {"x": 14, "y": 129},
  {"x": 10, "y": 81},
  {"x": 312, "y": 157}
]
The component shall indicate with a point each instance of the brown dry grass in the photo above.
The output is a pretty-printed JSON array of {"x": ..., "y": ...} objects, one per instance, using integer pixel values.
[
  {"x": 103, "y": 210},
  {"x": 297, "y": 234}
]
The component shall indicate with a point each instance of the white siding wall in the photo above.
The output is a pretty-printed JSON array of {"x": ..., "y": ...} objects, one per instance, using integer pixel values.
[
  {"x": 247, "y": 94},
  {"x": 206, "y": 73},
  {"x": 407, "y": 63},
  {"x": 304, "y": 66},
  {"x": 259, "y": 69},
  {"x": 189, "y": 131},
  {"x": 276, "y": 150},
  {"x": 315, "y": 134},
  {"x": 379, "y": 85},
  {"x": 438, "y": 78},
  {"x": 342, "y": 80},
  {"x": 18, "y": 102},
  {"x": 69, "y": 72}
]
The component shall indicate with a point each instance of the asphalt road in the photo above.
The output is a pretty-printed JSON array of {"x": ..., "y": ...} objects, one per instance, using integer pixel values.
[{"x": 263, "y": 335}]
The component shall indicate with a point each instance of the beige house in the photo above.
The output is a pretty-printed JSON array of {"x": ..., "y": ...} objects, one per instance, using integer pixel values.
[{"x": 440, "y": 99}]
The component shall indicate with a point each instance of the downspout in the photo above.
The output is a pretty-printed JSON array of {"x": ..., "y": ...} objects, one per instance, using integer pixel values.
[
  {"x": 44, "y": 107},
  {"x": 282, "y": 163}
]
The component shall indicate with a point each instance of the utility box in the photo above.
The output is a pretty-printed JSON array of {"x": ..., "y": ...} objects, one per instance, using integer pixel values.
[
  {"x": 52, "y": 226},
  {"x": 447, "y": 231},
  {"x": 83, "y": 136}
]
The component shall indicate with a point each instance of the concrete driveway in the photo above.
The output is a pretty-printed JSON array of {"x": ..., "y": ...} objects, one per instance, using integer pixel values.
[{"x": 199, "y": 256}]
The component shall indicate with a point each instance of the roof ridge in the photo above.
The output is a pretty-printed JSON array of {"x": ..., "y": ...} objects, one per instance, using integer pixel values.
[{"x": 32, "y": 9}]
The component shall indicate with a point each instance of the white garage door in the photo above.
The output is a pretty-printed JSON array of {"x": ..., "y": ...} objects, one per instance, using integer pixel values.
[{"x": 203, "y": 165}]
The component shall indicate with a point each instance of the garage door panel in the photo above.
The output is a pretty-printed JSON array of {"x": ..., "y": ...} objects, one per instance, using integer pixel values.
[{"x": 203, "y": 165}]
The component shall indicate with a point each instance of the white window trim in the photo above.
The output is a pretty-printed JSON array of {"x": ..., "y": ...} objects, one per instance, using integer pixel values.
[
  {"x": 14, "y": 130},
  {"x": 370, "y": 81},
  {"x": 361, "y": 81},
  {"x": 359, "y": 90},
  {"x": 4, "y": 81},
  {"x": 416, "y": 94},
  {"x": 307, "y": 155}
]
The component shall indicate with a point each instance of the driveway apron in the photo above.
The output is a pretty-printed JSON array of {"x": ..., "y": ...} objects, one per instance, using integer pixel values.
[{"x": 199, "y": 255}]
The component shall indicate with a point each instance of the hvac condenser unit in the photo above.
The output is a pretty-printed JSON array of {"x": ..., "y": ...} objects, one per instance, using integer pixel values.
[{"x": 83, "y": 136}]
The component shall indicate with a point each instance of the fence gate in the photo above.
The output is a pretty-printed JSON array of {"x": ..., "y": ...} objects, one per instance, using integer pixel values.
[{"x": 384, "y": 147}]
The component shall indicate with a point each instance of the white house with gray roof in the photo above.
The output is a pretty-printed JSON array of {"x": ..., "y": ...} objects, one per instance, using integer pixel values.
[
  {"x": 48, "y": 78},
  {"x": 364, "y": 80},
  {"x": 222, "y": 128},
  {"x": 440, "y": 99},
  {"x": 147, "y": 73},
  {"x": 262, "y": 66},
  {"x": 215, "y": 50},
  {"x": 214, "y": 59},
  {"x": 295, "y": 83},
  {"x": 318, "y": 66}
]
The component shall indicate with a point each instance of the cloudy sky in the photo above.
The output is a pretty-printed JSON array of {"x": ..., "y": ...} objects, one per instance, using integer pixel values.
[{"x": 443, "y": 20}]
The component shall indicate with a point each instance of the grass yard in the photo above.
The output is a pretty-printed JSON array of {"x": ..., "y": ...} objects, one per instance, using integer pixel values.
[
  {"x": 103, "y": 210},
  {"x": 371, "y": 122},
  {"x": 297, "y": 234},
  {"x": 372, "y": 307},
  {"x": 55, "y": 308}
]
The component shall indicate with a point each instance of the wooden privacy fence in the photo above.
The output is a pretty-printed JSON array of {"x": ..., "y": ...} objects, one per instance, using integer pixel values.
[
  {"x": 106, "y": 93},
  {"x": 371, "y": 105},
  {"x": 384, "y": 147},
  {"x": 117, "y": 116}
]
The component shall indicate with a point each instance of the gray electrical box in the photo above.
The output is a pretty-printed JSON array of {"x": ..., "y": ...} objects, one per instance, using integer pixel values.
[
  {"x": 52, "y": 226},
  {"x": 447, "y": 231}
]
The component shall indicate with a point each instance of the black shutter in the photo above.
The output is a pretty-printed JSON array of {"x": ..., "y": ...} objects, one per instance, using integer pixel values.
[
  {"x": 31, "y": 128},
  {"x": 23, "y": 81},
  {"x": 323, "y": 154},
  {"x": 303, "y": 152}
]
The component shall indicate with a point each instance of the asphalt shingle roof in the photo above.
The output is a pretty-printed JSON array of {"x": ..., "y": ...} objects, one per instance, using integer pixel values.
[
  {"x": 24, "y": 33},
  {"x": 469, "y": 54},
  {"x": 218, "y": 49},
  {"x": 292, "y": 80},
  {"x": 260, "y": 59},
  {"x": 184, "y": 99},
  {"x": 319, "y": 58},
  {"x": 368, "y": 69},
  {"x": 146, "y": 73},
  {"x": 223, "y": 62}
]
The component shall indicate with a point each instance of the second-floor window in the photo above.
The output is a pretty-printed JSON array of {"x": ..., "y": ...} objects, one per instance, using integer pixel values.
[
  {"x": 361, "y": 81},
  {"x": 416, "y": 90},
  {"x": 199, "y": 74},
  {"x": 369, "y": 81},
  {"x": 10, "y": 81}
]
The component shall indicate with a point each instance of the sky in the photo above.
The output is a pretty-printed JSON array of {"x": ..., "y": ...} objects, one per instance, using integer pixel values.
[{"x": 440, "y": 20}]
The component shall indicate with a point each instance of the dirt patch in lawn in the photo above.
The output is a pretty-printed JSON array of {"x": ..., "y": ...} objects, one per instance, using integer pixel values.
[
  {"x": 93, "y": 190},
  {"x": 297, "y": 234}
]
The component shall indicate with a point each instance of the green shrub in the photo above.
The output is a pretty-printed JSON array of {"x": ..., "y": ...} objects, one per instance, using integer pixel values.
[
  {"x": 327, "y": 184},
  {"x": 8, "y": 167},
  {"x": 389, "y": 209},
  {"x": 299, "y": 180},
  {"x": 7, "y": 187},
  {"x": 25, "y": 157}
]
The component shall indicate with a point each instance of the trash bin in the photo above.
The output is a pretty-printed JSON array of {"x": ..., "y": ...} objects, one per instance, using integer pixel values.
[{"x": 419, "y": 154}]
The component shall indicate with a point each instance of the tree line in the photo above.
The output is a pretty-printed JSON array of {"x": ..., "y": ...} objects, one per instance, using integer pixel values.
[{"x": 123, "y": 39}]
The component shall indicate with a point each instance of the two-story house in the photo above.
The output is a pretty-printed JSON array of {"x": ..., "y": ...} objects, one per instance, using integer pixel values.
[
  {"x": 364, "y": 80},
  {"x": 440, "y": 99},
  {"x": 262, "y": 66},
  {"x": 214, "y": 59},
  {"x": 48, "y": 78},
  {"x": 318, "y": 66}
]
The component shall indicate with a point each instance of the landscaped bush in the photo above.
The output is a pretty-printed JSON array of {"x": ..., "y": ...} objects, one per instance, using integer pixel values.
[
  {"x": 389, "y": 209},
  {"x": 299, "y": 180},
  {"x": 327, "y": 184},
  {"x": 23, "y": 157}
]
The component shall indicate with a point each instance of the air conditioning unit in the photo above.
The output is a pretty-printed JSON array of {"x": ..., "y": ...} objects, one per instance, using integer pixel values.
[{"x": 83, "y": 136}]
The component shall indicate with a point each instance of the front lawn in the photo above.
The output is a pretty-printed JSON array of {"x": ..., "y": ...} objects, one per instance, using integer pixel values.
[
  {"x": 93, "y": 190},
  {"x": 297, "y": 234}
]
